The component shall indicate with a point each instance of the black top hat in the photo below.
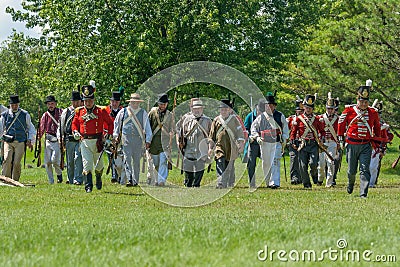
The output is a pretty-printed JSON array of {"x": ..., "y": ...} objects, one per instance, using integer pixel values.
[
  {"x": 14, "y": 99},
  {"x": 363, "y": 92},
  {"x": 270, "y": 98},
  {"x": 116, "y": 96},
  {"x": 163, "y": 98},
  {"x": 87, "y": 92},
  {"x": 75, "y": 96},
  {"x": 50, "y": 98},
  {"x": 225, "y": 103},
  {"x": 309, "y": 101}
]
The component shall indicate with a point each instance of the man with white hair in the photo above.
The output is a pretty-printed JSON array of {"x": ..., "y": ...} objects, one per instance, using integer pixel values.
[
  {"x": 132, "y": 130},
  {"x": 195, "y": 130}
]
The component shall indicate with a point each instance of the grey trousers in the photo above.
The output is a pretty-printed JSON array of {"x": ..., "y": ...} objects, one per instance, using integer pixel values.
[
  {"x": 294, "y": 165},
  {"x": 359, "y": 154},
  {"x": 309, "y": 155}
]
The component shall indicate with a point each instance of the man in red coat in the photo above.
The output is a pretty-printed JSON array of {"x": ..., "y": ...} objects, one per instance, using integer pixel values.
[
  {"x": 360, "y": 125},
  {"x": 93, "y": 126},
  {"x": 303, "y": 138}
]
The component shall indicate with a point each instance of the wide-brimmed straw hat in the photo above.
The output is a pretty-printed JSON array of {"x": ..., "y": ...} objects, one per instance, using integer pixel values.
[{"x": 135, "y": 98}]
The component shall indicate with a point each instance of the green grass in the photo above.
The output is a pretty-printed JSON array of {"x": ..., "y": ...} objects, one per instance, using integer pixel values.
[{"x": 61, "y": 225}]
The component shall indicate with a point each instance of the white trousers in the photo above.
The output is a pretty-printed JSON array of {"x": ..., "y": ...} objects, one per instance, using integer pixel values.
[
  {"x": 324, "y": 162},
  {"x": 268, "y": 151},
  {"x": 373, "y": 168},
  {"x": 52, "y": 158},
  {"x": 90, "y": 156}
]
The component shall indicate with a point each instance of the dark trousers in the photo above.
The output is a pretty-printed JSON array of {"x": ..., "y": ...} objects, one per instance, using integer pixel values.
[
  {"x": 114, "y": 174},
  {"x": 193, "y": 179},
  {"x": 254, "y": 152},
  {"x": 359, "y": 154},
  {"x": 224, "y": 172},
  {"x": 294, "y": 166},
  {"x": 309, "y": 155}
]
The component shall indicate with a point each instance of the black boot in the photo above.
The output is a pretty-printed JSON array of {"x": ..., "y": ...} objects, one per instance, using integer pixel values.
[
  {"x": 59, "y": 179},
  {"x": 89, "y": 183},
  {"x": 99, "y": 183}
]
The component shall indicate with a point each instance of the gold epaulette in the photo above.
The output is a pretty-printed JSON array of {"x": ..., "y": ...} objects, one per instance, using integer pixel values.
[{"x": 78, "y": 108}]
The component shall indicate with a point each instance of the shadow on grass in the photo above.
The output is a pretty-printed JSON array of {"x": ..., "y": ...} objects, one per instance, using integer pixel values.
[{"x": 125, "y": 193}]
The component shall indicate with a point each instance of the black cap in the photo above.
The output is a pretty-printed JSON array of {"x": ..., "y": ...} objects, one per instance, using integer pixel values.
[
  {"x": 50, "y": 98},
  {"x": 75, "y": 96},
  {"x": 116, "y": 96},
  {"x": 163, "y": 98},
  {"x": 14, "y": 99},
  {"x": 87, "y": 92}
]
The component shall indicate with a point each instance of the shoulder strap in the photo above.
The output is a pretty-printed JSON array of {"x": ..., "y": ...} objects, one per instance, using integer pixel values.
[
  {"x": 272, "y": 121},
  {"x": 52, "y": 118},
  {"x": 329, "y": 126},
  {"x": 135, "y": 121},
  {"x": 309, "y": 126},
  {"x": 361, "y": 117},
  {"x": 15, "y": 118}
]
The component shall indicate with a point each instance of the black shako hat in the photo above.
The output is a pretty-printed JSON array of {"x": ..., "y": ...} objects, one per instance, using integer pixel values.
[
  {"x": 309, "y": 100},
  {"x": 87, "y": 92}
]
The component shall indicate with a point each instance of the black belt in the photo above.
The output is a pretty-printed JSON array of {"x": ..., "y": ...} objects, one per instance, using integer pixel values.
[
  {"x": 92, "y": 136},
  {"x": 71, "y": 138},
  {"x": 358, "y": 140}
]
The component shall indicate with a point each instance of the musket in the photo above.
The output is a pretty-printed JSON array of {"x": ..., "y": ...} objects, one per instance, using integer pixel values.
[
  {"x": 99, "y": 158},
  {"x": 319, "y": 143},
  {"x": 38, "y": 143},
  {"x": 170, "y": 136},
  {"x": 284, "y": 160},
  {"x": 62, "y": 147},
  {"x": 394, "y": 164}
]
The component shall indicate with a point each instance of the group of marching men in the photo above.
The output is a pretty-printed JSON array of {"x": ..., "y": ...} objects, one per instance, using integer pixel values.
[{"x": 85, "y": 131}]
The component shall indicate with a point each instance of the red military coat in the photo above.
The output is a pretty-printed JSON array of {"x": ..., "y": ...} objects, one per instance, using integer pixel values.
[
  {"x": 298, "y": 127},
  {"x": 357, "y": 130},
  {"x": 100, "y": 123},
  {"x": 329, "y": 124}
]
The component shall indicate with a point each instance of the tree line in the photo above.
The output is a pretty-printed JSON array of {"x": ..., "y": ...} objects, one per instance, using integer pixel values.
[{"x": 292, "y": 46}]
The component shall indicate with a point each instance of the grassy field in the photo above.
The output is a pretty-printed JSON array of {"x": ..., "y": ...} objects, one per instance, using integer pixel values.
[{"x": 61, "y": 225}]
